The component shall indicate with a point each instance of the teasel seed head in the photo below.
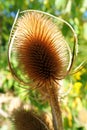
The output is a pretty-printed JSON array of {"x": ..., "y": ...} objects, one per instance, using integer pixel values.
[
  {"x": 40, "y": 48},
  {"x": 28, "y": 120}
]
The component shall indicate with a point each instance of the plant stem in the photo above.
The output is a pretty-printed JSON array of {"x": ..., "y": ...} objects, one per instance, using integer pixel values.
[{"x": 55, "y": 107}]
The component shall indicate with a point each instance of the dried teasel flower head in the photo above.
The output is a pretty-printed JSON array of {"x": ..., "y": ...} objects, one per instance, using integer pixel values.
[
  {"x": 40, "y": 49},
  {"x": 28, "y": 120}
]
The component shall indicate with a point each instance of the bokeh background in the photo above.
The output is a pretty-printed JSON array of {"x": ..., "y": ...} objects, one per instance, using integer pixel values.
[{"x": 74, "y": 104}]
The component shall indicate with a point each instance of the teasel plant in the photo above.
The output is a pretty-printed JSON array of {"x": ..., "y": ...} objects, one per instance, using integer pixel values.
[{"x": 39, "y": 56}]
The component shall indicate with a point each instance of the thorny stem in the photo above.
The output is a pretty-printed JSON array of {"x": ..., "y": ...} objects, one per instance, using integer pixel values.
[{"x": 55, "y": 107}]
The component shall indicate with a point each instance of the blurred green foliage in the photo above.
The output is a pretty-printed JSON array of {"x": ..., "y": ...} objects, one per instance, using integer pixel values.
[{"x": 73, "y": 11}]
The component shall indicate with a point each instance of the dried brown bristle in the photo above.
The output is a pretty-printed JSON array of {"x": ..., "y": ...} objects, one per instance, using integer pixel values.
[{"x": 41, "y": 48}]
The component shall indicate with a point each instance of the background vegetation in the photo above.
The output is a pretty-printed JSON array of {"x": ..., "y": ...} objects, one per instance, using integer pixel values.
[{"x": 74, "y": 105}]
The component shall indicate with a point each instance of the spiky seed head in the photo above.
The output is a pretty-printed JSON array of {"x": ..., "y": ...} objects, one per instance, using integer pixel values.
[
  {"x": 40, "y": 47},
  {"x": 27, "y": 120}
]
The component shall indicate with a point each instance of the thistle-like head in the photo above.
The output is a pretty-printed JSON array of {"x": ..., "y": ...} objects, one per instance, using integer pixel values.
[{"x": 41, "y": 51}]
